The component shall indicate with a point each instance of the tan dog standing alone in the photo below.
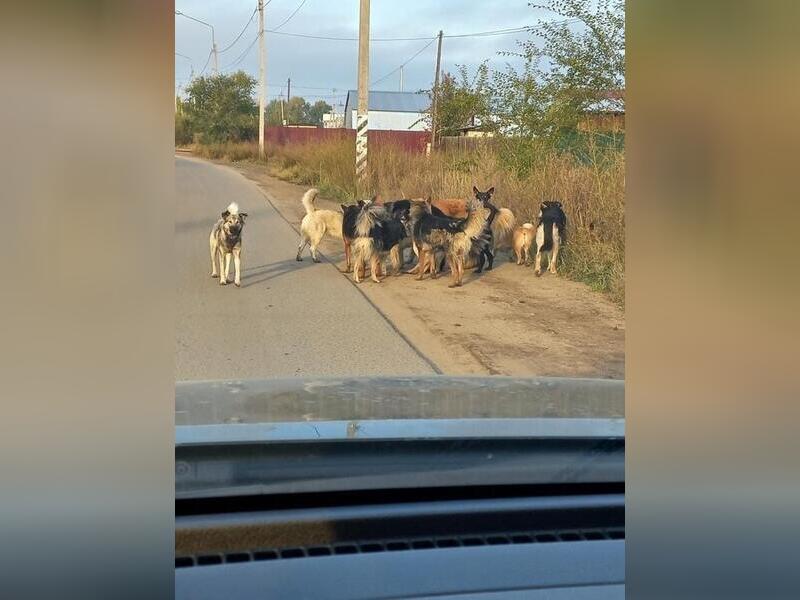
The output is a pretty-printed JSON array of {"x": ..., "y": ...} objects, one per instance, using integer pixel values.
[{"x": 226, "y": 241}]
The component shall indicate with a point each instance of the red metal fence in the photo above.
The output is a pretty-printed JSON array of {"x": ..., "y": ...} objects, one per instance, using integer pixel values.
[{"x": 410, "y": 141}]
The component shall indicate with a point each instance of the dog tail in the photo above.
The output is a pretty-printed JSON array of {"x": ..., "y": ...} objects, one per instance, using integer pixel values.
[
  {"x": 308, "y": 200},
  {"x": 233, "y": 208},
  {"x": 528, "y": 231},
  {"x": 363, "y": 248},
  {"x": 503, "y": 227}
]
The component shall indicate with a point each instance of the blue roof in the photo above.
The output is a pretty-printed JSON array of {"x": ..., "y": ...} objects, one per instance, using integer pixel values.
[{"x": 410, "y": 102}]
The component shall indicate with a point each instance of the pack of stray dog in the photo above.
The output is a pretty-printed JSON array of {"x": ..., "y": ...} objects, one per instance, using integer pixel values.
[{"x": 451, "y": 232}]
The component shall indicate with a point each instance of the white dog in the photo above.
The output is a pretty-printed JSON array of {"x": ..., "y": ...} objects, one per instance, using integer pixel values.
[{"x": 316, "y": 224}]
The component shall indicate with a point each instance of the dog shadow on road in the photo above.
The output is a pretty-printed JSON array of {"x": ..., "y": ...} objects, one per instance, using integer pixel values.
[{"x": 273, "y": 270}]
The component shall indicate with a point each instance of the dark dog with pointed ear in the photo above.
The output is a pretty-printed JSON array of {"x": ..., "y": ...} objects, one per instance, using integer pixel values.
[
  {"x": 350, "y": 212},
  {"x": 551, "y": 233},
  {"x": 226, "y": 241}
]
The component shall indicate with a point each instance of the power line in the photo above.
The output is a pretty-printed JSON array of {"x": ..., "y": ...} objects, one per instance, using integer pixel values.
[
  {"x": 281, "y": 96},
  {"x": 241, "y": 33},
  {"x": 289, "y": 18},
  {"x": 208, "y": 60},
  {"x": 242, "y": 55},
  {"x": 419, "y": 39},
  {"x": 396, "y": 69},
  {"x": 303, "y": 87},
  {"x": 253, "y": 42}
]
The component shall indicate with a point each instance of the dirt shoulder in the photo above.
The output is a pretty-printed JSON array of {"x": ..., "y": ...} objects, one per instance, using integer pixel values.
[{"x": 502, "y": 322}]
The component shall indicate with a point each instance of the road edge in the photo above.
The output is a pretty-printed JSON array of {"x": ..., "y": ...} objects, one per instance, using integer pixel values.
[{"x": 273, "y": 203}]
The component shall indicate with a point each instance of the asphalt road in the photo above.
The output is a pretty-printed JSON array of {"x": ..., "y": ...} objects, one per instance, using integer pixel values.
[{"x": 289, "y": 318}]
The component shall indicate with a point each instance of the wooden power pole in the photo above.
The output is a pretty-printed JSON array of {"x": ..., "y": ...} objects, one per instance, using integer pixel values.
[
  {"x": 435, "y": 111},
  {"x": 262, "y": 79},
  {"x": 363, "y": 92}
]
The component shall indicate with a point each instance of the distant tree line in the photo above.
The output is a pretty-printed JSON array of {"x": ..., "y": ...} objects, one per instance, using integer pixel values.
[
  {"x": 296, "y": 111},
  {"x": 222, "y": 108}
]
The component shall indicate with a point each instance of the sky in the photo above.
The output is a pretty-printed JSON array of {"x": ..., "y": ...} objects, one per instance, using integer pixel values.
[{"x": 332, "y": 65}]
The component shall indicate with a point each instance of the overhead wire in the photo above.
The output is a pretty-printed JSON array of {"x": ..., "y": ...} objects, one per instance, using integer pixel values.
[
  {"x": 489, "y": 33},
  {"x": 208, "y": 60},
  {"x": 241, "y": 33},
  {"x": 396, "y": 69},
  {"x": 274, "y": 30},
  {"x": 253, "y": 42},
  {"x": 290, "y": 17}
]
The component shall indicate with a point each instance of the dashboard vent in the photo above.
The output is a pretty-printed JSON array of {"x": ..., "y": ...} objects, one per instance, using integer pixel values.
[{"x": 399, "y": 545}]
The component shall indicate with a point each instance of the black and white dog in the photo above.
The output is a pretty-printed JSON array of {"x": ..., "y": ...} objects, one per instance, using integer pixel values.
[{"x": 551, "y": 233}]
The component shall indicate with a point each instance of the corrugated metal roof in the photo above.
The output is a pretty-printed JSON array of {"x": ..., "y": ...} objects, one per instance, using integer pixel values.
[{"x": 410, "y": 102}]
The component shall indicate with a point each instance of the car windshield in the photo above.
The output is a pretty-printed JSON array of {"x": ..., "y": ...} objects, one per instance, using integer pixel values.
[{"x": 401, "y": 256}]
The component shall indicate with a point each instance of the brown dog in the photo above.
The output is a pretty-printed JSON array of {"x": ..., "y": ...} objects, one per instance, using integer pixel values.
[
  {"x": 522, "y": 240},
  {"x": 452, "y": 207}
]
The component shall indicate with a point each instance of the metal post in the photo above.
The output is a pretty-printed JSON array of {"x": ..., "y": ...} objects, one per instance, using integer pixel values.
[
  {"x": 434, "y": 115},
  {"x": 363, "y": 93},
  {"x": 213, "y": 39},
  {"x": 262, "y": 79}
]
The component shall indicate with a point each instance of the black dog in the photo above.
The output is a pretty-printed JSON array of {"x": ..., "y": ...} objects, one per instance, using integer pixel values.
[
  {"x": 432, "y": 231},
  {"x": 378, "y": 232},
  {"x": 482, "y": 245},
  {"x": 350, "y": 213},
  {"x": 551, "y": 233}
]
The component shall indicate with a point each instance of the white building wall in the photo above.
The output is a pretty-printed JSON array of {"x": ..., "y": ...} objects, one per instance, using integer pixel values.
[
  {"x": 333, "y": 120},
  {"x": 398, "y": 121}
]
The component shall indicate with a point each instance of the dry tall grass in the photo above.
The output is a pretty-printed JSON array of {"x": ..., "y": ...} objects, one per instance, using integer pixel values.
[
  {"x": 592, "y": 191},
  {"x": 230, "y": 151}
]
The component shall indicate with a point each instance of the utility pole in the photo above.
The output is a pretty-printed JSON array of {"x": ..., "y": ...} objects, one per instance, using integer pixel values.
[
  {"x": 214, "y": 50},
  {"x": 401, "y": 78},
  {"x": 262, "y": 79},
  {"x": 434, "y": 112},
  {"x": 288, "y": 89},
  {"x": 363, "y": 93}
]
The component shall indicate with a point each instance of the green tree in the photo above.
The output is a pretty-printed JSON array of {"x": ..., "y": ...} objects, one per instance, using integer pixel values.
[
  {"x": 316, "y": 110},
  {"x": 572, "y": 63},
  {"x": 462, "y": 100},
  {"x": 221, "y": 107},
  {"x": 273, "y": 113},
  {"x": 296, "y": 111}
]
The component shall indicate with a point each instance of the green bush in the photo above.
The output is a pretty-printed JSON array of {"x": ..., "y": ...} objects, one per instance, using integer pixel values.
[{"x": 183, "y": 130}]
